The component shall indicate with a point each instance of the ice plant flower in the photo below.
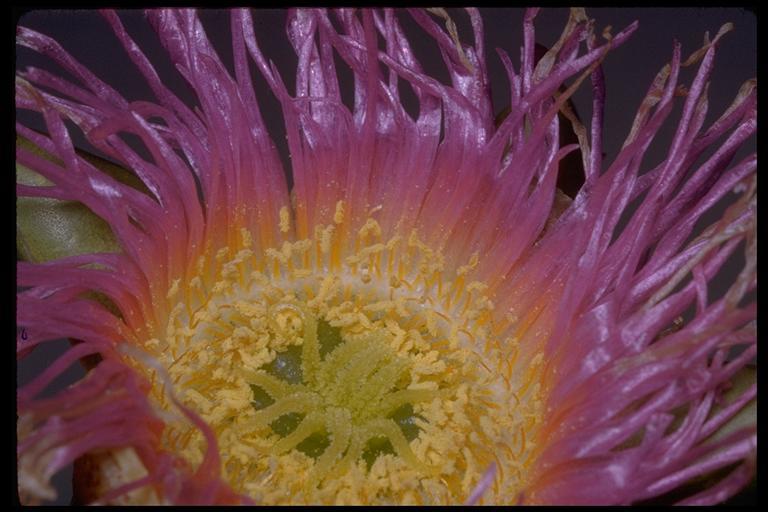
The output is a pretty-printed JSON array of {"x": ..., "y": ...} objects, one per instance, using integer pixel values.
[{"x": 415, "y": 315}]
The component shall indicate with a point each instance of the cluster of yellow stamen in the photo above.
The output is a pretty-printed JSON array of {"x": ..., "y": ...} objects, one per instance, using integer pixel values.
[{"x": 365, "y": 377}]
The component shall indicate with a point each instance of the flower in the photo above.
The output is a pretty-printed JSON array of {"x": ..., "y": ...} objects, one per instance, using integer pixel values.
[{"x": 416, "y": 315}]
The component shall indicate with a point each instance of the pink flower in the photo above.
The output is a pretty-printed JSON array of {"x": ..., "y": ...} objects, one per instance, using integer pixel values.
[{"x": 416, "y": 314}]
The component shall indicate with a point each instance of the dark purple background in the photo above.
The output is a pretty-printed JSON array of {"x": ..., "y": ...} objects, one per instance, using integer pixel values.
[{"x": 628, "y": 70}]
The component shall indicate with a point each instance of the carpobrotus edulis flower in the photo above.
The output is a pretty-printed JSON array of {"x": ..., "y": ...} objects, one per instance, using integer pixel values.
[{"x": 414, "y": 314}]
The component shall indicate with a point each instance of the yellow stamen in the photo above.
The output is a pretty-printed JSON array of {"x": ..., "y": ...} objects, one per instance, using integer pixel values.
[
  {"x": 349, "y": 376},
  {"x": 285, "y": 219}
]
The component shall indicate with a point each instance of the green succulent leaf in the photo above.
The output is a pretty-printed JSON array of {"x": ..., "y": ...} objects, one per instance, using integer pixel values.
[{"x": 49, "y": 229}]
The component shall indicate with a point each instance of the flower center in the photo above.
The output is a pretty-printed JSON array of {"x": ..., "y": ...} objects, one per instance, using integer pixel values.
[
  {"x": 335, "y": 399},
  {"x": 370, "y": 378}
]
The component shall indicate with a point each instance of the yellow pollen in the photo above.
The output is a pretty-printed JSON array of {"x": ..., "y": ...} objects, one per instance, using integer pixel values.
[
  {"x": 174, "y": 289},
  {"x": 246, "y": 235},
  {"x": 285, "y": 219},
  {"x": 338, "y": 216},
  {"x": 370, "y": 376}
]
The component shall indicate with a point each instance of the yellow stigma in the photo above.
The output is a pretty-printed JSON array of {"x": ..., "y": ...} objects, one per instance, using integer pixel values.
[{"x": 332, "y": 376}]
